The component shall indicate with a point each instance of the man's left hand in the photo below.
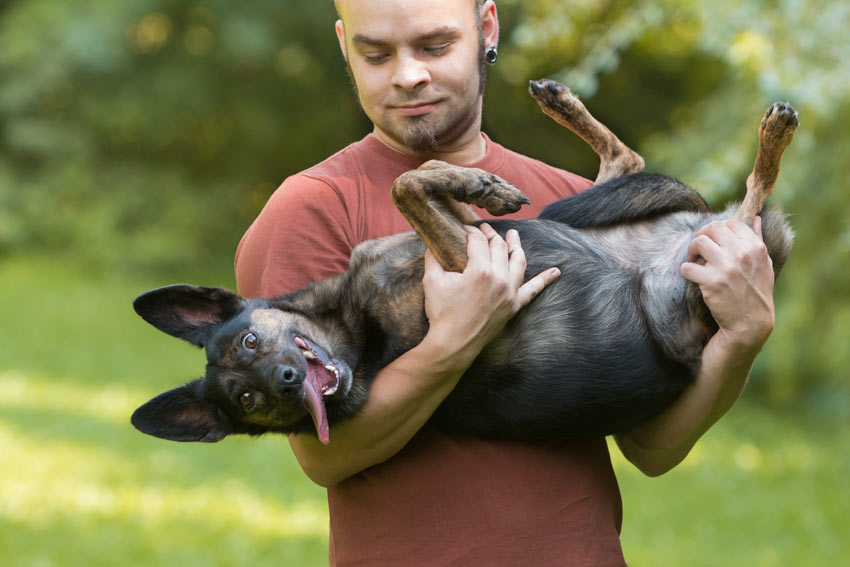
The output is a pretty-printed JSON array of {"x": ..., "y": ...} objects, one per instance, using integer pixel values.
[{"x": 736, "y": 280}]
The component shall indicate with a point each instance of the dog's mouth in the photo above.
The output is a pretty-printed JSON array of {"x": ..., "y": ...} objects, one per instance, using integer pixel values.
[{"x": 322, "y": 380}]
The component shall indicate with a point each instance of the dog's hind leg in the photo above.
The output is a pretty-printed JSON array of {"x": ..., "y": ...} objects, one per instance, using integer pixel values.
[
  {"x": 615, "y": 157},
  {"x": 775, "y": 133},
  {"x": 431, "y": 199}
]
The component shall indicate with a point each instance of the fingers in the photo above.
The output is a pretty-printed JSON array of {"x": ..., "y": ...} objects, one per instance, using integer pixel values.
[
  {"x": 732, "y": 233},
  {"x": 757, "y": 228},
  {"x": 710, "y": 244},
  {"x": 477, "y": 249},
  {"x": 532, "y": 288},
  {"x": 517, "y": 261},
  {"x": 723, "y": 245},
  {"x": 507, "y": 262},
  {"x": 694, "y": 272},
  {"x": 487, "y": 251},
  {"x": 499, "y": 252}
]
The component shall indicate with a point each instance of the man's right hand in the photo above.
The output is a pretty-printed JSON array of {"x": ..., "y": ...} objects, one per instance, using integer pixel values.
[{"x": 467, "y": 310}]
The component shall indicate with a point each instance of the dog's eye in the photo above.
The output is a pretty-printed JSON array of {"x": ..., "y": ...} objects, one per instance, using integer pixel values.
[
  {"x": 246, "y": 400},
  {"x": 250, "y": 341}
]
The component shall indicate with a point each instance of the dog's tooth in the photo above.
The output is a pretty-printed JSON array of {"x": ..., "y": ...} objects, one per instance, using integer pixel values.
[
  {"x": 332, "y": 369},
  {"x": 309, "y": 355},
  {"x": 329, "y": 391}
]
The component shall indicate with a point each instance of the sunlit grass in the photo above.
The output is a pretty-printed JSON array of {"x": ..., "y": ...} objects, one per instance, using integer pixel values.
[
  {"x": 111, "y": 403},
  {"x": 80, "y": 487},
  {"x": 61, "y": 477},
  {"x": 761, "y": 488},
  {"x": 65, "y": 479}
]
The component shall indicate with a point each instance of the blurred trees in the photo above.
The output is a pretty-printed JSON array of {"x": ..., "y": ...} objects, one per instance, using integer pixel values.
[
  {"x": 689, "y": 82},
  {"x": 150, "y": 132},
  {"x": 155, "y": 129}
]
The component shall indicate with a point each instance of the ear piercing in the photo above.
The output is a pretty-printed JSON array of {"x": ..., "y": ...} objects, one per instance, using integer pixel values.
[{"x": 491, "y": 55}]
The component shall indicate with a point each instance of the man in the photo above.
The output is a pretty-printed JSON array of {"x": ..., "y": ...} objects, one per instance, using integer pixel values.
[{"x": 399, "y": 491}]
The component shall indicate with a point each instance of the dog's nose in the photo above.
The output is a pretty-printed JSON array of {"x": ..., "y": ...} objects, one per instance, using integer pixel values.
[{"x": 285, "y": 376}]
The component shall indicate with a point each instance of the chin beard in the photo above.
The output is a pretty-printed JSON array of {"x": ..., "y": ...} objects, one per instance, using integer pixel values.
[{"x": 419, "y": 135}]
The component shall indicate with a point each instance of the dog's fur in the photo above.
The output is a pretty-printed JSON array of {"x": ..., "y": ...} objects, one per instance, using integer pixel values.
[{"x": 611, "y": 343}]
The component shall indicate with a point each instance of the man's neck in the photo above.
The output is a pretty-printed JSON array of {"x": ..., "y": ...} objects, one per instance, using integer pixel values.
[{"x": 462, "y": 151}]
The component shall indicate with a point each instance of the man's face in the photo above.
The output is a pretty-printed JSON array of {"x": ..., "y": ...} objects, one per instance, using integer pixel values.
[{"x": 416, "y": 65}]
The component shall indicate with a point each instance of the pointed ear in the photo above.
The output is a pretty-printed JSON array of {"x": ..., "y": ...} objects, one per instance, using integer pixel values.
[
  {"x": 183, "y": 414},
  {"x": 187, "y": 312}
]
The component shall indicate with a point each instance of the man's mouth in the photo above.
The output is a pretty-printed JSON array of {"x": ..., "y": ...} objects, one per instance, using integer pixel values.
[
  {"x": 322, "y": 380},
  {"x": 416, "y": 109}
]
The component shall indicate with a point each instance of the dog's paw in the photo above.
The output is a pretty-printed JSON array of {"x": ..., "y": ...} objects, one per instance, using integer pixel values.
[
  {"x": 555, "y": 99},
  {"x": 492, "y": 193},
  {"x": 778, "y": 124}
]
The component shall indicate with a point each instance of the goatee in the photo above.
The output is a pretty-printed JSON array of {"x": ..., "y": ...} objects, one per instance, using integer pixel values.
[{"x": 419, "y": 135}]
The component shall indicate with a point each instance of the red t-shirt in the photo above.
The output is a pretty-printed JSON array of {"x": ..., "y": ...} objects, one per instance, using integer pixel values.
[{"x": 442, "y": 500}]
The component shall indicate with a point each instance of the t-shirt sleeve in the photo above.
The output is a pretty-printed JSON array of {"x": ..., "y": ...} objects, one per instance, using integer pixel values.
[{"x": 302, "y": 235}]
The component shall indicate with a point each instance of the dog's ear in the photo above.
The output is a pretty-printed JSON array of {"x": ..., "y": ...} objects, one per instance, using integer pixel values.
[
  {"x": 187, "y": 312},
  {"x": 183, "y": 414}
]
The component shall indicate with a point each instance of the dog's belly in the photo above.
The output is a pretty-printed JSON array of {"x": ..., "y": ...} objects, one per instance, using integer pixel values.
[{"x": 583, "y": 358}]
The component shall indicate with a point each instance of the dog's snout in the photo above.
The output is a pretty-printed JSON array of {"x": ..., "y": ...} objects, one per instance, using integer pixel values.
[{"x": 285, "y": 376}]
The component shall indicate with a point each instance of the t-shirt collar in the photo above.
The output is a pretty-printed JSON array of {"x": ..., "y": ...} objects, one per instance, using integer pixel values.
[{"x": 493, "y": 156}]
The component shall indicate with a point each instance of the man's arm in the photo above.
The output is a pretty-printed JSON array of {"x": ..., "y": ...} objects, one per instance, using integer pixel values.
[
  {"x": 465, "y": 311},
  {"x": 737, "y": 285}
]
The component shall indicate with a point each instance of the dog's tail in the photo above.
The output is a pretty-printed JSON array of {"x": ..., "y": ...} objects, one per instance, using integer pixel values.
[{"x": 627, "y": 198}]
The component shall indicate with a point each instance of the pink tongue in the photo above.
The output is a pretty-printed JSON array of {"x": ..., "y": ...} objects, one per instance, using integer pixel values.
[{"x": 316, "y": 407}]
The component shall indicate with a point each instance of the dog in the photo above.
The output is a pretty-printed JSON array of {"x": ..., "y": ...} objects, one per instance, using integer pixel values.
[{"x": 611, "y": 343}]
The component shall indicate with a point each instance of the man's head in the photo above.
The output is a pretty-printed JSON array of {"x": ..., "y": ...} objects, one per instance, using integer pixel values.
[{"x": 418, "y": 67}]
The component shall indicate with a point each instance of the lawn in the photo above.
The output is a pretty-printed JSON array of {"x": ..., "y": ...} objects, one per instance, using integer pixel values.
[{"x": 79, "y": 486}]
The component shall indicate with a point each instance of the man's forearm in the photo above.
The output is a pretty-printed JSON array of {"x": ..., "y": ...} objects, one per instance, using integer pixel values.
[
  {"x": 663, "y": 442},
  {"x": 401, "y": 399}
]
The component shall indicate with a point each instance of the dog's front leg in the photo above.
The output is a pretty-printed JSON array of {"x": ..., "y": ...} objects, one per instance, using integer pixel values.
[
  {"x": 431, "y": 199},
  {"x": 775, "y": 133}
]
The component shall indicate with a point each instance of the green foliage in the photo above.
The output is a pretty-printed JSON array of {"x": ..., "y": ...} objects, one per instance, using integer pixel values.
[
  {"x": 686, "y": 84},
  {"x": 153, "y": 130}
]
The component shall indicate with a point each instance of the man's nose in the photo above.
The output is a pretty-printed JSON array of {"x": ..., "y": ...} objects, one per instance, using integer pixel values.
[{"x": 410, "y": 73}]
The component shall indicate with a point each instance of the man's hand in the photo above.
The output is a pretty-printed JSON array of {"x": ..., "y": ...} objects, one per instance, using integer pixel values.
[
  {"x": 472, "y": 307},
  {"x": 736, "y": 280}
]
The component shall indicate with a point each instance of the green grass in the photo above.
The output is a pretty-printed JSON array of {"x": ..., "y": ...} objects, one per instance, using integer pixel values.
[{"x": 79, "y": 486}]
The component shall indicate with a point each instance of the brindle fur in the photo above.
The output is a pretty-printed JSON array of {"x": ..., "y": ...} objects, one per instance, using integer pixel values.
[{"x": 610, "y": 344}]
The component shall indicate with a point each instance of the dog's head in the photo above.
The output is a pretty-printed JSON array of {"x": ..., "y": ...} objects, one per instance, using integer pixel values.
[{"x": 268, "y": 369}]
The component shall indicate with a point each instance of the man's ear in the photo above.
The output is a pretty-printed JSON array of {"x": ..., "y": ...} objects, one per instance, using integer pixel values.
[
  {"x": 340, "y": 35},
  {"x": 490, "y": 24},
  {"x": 183, "y": 414},
  {"x": 188, "y": 312}
]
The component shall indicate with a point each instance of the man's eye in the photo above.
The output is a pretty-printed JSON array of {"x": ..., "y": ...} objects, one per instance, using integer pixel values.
[
  {"x": 437, "y": 50},
  {"x": 377, "y": 58}
]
